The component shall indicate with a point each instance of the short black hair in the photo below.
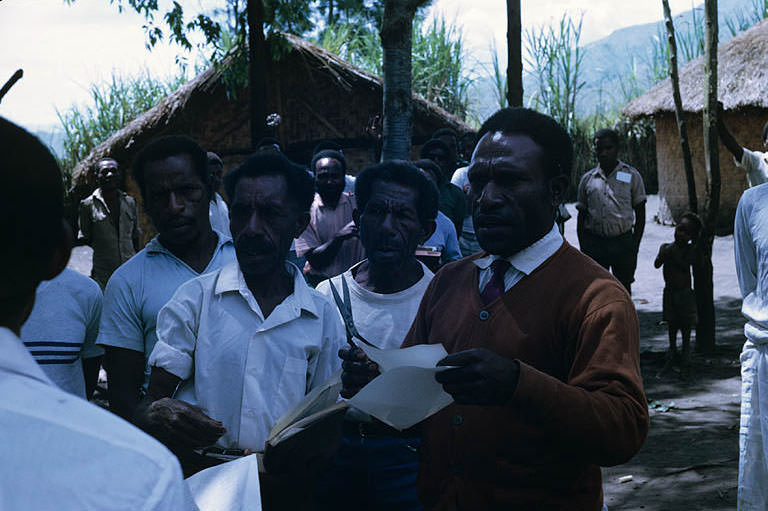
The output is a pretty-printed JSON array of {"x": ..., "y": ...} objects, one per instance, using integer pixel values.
[
  {"x": 328, "y": 153},
  {"x": 542, "y": 129},
  {"x": 428, "y": 165},
  {"x": 214, "y": 159},
  {"x": 165, "y": 147},
  {"x": 269, "y": 141},
  {"x": 31, "y": 207},
  {"x": 695, "y": 220},
  {"x": 607, "y": 134},
  {"x": 327, "y": 144},
  {"x": 301, "y": 185},
  {"x": 403, "y": 173},
  {"x": 433, "y": 144}
]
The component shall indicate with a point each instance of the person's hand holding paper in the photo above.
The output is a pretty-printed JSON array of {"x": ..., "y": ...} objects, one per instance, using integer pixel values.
[
  {"x": 406, "y": 392},
  {"x": 479, "y": 377}
]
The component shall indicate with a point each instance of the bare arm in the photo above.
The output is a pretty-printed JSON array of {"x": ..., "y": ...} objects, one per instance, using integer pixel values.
[
  {"x": 660, "y": 257},
  {"x": 175, "y": 423},
  {"x": 727, "y": 138},
  {"x": 324, "y": 254},
  {"x": 637, "y": 233},
  {"x": 126, "y": 376},
  {"x": 91, "y": 373}
]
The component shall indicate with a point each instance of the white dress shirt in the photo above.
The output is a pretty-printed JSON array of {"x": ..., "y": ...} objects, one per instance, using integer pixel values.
[
  {"x": 522, "y": 263},
  {"x": 218, "y": 214},
  {"x": 755, "y": 164},
  {"x": 61, "y": 452},
  {"x": 246, "y": 370},
  {"x": 751, "y": 252}
]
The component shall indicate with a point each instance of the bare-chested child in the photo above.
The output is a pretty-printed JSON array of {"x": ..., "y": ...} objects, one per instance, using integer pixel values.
[{"x": 679, "y": 305}]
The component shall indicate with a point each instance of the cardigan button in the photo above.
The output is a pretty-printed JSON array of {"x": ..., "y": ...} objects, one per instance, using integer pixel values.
[
  {"x": 484, "y": 315},
  {"x": 458, "y": 420}
]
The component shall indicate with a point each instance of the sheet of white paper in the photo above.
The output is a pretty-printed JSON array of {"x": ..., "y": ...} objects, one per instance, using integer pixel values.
[
  {"x": 232, "y": 486},
  {"x": 403, "y": 396},
  {"x": 421, "y": 355}
]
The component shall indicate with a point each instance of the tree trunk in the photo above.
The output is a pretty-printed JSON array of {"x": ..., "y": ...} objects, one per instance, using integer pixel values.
[
  {"x": 514, "y": 54},
  {"x": 257, "y": 70},
  {"x": 682, "y": 129},
  {"x": 396, "y": 41},
  {"x": 330, "y": 13},
  {"x": 702, "y": 271}
]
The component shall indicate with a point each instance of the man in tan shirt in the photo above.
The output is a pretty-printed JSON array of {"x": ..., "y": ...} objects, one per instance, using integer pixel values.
[
  {"x": 611, "y": 205},
  {"x": 109, "y": 223},
  {"x": 330, "y": 243},
  {"x": 543, "y": 343}
]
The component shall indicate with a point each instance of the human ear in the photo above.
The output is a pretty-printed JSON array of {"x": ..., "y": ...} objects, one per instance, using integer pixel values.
[
  {"x": 60, "y": 256},
  {"x": 302, "y": 221},
  {"x": 428, "y": 229},
  {"x": 558, "y": 187}
]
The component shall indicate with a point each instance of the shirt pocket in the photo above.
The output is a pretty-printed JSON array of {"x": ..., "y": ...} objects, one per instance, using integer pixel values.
[{"x": 292, "y": 386}]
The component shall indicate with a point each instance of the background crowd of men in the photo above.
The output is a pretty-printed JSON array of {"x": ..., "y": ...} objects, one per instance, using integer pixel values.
[{"x": 227, "y": 318}]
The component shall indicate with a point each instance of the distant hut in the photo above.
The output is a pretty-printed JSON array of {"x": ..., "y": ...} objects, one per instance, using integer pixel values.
[
  {"x": 743, "y": 89},
  {"x": 317, "y": 95}
]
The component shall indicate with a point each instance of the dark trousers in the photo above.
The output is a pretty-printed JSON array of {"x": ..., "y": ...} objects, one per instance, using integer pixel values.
[
  {"x": 617, "y": 254},
  {"x": 372, "y": 473}
]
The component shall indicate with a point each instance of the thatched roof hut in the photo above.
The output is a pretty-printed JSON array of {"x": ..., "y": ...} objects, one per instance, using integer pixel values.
[
  {"x": 318, "y": 96},
  {"x": 743, "y": 89}
]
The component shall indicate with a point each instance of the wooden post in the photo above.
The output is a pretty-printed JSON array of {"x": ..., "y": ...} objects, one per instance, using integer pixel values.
[
  {"x": 702, "y": 270},
  {"x": 682, "y": 129},
  {"x": 11, "y": 82},
  {"x": 257, "y": 70},
  {"x": 514, "y": 54}
]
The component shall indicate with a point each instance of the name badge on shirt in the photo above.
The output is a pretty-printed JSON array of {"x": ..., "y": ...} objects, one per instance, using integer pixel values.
[{"x": 624, "y": 177}]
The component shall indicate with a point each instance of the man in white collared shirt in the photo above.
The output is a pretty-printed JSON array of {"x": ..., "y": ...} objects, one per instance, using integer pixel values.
[
  {"x": 751, "y": 250},
  {"x": 611, "y": 205},
  {"x": 754, "y": 163},
  {"x": 59, "y": 451},
  {"x": 250, "y": 339}
]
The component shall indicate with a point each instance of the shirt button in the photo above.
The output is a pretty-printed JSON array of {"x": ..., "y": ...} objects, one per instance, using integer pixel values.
[
  {"x": 484, "y": 315},
  {"x": 458, "y": 420}
]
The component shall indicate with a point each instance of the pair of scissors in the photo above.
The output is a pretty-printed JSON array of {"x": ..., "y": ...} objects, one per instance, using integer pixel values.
[{"x": 345, "y": 308}]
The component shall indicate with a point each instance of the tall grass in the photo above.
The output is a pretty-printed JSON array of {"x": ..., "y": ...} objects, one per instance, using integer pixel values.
[
  {"x": 438, "y": 72},
  {"x": 113, "y": 103}
]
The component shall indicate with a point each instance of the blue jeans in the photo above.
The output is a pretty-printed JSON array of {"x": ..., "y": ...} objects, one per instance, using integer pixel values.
[{"x": 373, "y": 473}]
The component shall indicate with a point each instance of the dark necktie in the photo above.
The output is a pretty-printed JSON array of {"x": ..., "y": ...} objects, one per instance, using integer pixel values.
[{"x": 495, "y": 287}]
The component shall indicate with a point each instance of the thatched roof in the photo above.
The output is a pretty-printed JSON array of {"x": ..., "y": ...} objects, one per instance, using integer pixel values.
[
  {"x": 742, "y": 79},
  {"x": 347, "y": 76}
]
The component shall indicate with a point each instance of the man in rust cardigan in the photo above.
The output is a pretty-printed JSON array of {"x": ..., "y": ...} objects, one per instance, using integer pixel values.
[{"x": 544, "y": 343}]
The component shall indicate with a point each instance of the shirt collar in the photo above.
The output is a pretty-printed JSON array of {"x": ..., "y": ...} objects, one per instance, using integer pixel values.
[
  {"x": 231, "y": 279},
  {"x": 155, "y": 247},
  {"x": 343, "y": 199},
  {"x": 532, "y": 256},
  {"x": 16, "y": 358},
  {"x": 620, "y": 164}
]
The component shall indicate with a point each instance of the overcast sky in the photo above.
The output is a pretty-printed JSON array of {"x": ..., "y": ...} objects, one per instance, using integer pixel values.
[{"x": 64, "y": 48}]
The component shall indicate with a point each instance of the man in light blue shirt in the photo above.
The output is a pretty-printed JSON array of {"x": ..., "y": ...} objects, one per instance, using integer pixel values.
[
  {"x": 60, "y": 333},
  {"x": 172, "y": 175}
]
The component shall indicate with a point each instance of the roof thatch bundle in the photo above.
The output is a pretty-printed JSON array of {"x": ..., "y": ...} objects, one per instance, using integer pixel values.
[
  {"x": 742, "y": 79},
  {"x": 169, "y": 112}
]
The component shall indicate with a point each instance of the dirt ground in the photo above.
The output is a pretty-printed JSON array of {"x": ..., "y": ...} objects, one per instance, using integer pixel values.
[{"x": 690, "y": 458}]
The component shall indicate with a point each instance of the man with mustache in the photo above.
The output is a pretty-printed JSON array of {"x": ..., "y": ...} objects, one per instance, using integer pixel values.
[
  {"x": 543, "y": 343},
  {"x": 330, "y": 243},
  {"x": 109, "y": 223},
  {"x": 398, "y": 205},
  {"x": 59, "y": 451},
  {"x": 252, "y": 338},
  {"x": 174, "y": 181}
]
